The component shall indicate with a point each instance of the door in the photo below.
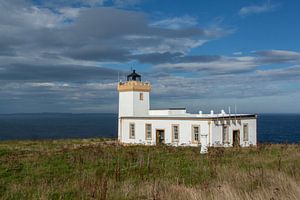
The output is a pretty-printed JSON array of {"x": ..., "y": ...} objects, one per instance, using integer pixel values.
[
  {"x": 236, "y": 138},
  {"x": 160, "y": 136}
]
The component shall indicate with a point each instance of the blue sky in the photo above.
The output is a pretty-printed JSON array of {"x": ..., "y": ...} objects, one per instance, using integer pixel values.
[{"x": 66, "y": 56}]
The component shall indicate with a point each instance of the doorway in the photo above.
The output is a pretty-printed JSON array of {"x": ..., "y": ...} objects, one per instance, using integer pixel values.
[
  {"x": 160, "y": 136},
  {"x": 236, "y": 138}
]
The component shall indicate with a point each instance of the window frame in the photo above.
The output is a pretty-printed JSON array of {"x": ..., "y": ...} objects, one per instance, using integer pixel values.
[
  {"x": 173, "y": 134},
  {"x": 225, "y": 140},
  {"x": 141, "y": 96},
  {"x": 193, "y": 134},
  {"x": 130, "y": 130},
  {"x": 245, "y": 139},
  {"x": 146, "y": 131}
]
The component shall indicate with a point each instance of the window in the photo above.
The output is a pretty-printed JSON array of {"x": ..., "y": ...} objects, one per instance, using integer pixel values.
[
  {"x": 131, "y": 131},
  {"x": 225, "y": 134},
  {"x": 195, "y": 133},
  {"x": 245, "y": 132},
  {"x": 175, "y": 131},
  {"x": 148, "y": 130},
  {"x": 141, "y": 96}
]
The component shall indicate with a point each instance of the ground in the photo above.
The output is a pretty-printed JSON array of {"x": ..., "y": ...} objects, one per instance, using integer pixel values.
[{"x": 102, "y": 169}]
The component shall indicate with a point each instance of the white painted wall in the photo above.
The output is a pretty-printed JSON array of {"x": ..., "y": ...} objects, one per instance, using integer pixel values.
[
  {"x": 131, "y": 105},
  {"x": 213, "y": 132},
  {"x": 217, "y": 136},
  {"x": 185, "y": 131}
]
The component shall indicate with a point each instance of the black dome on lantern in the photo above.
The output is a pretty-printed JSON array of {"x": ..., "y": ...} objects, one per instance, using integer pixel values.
[{"x": 134, "y": 77}]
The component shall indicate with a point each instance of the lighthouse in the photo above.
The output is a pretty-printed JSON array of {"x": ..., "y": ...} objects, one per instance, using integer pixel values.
[{"x": 138, "y": 124}]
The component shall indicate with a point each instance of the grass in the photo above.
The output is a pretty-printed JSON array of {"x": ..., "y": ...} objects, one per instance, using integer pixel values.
[{"x": 101, "y": 169}]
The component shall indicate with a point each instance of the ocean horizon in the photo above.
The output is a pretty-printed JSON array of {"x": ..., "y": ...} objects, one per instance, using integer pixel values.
[{"x": 271, "y": 128}]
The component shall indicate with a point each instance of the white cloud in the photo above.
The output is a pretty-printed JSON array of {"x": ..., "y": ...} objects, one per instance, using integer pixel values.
[
  {"x": 230, "y": 64},
  {"x": 224, "y": 86},
  {"x": 280, "y": 53},
  {"x": 41, "y": 18},
  {"x": 43, "y": 84},
  {"x": 218, "y": 66},
  {"x": 238, "y": 53},
  {"x": 59, "y": 63},
  {"x": 17, "y": 16},
  {"x": 176, "y": 22},
  {"x": 73, "y": 35},
  {"x": 70, "y": 13},
  {"x": 278, "y": 56},
  {"x": 282, "y": 73},
  {"x": 257, "y": 9},
  {"x": 170, "y": 45}
]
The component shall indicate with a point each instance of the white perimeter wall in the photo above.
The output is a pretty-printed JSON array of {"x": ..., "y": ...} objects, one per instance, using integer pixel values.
[{"x": 214, "y": 133}]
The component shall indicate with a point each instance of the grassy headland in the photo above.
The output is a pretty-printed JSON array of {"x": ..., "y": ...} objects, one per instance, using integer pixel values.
[{"x": 101, "y": 169}]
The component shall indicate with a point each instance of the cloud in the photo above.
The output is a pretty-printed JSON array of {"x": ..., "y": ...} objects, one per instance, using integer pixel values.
[
  {"x": 238, "y": 63},
  {"x": 97, "y": 95},
  {"x": 99, "y": 53},
  {"x": 18, "y": 14},
  {"x": 223, "y": 86},
  {"x": 278, "y": 56},
  {"x": 55, "y": 73},
  {"x": 57, "y": 57},
  {"x": 157, "y": 58},
  {"x": 257, "y": 9},
  {"x": 237, "y": 53},
  {"x": 53, "y": 4},
  {"x": 211, "y": 64},
  {"x": 58, "y": 97},
  {"x": 34, "y": 38},
  {"x": 176, "y": 22},
  {"x": 288, "y": 73},
  {"x": 78, "y": 34},
  {"x": 50, "y": 61},
  {"x": 261, "y": 83},
  {"x": 127, "y": 33}
]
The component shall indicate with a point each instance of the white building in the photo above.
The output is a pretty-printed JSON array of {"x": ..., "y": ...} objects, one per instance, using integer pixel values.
[{"x": 138, "y": 124}]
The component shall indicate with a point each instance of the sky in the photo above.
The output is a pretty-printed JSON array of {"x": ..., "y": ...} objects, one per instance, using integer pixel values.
[{"x": 68, "y": 55}]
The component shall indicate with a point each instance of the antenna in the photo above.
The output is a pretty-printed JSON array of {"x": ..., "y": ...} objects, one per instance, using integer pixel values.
[
  {"x": 118, "y": 76},
  {"x": 235, "y": 111}
]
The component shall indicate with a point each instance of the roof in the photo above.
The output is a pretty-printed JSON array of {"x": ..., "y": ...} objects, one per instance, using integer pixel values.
[{"x": 188, "y": 116}]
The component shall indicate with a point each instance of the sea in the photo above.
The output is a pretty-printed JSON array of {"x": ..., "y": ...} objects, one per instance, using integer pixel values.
[{"x": 271, "y": 128}]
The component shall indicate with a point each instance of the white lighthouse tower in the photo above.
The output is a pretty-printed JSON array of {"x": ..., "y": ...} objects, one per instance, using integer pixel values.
[{"x": 133, "y": 97}]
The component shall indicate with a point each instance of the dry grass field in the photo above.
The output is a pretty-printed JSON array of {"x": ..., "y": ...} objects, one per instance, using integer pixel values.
[{"x": 101, "y": 169}]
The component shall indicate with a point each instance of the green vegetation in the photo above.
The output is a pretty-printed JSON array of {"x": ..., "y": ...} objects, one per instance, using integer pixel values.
[{"x": 101, "y": 169}]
